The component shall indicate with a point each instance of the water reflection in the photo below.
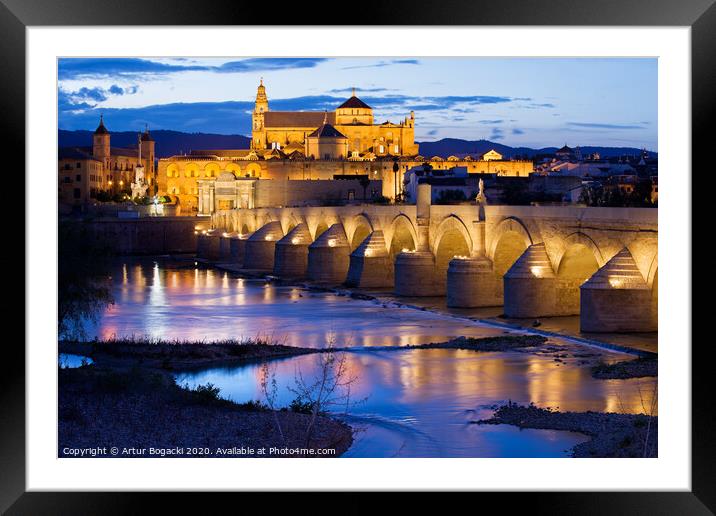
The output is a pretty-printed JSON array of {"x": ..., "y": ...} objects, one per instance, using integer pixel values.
[
  {"x": 419, "y": 402},
  {"x": 165, "y": 301}
]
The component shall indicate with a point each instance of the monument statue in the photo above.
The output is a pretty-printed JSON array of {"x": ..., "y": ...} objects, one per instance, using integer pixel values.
[{"x": 139, "y": 186}]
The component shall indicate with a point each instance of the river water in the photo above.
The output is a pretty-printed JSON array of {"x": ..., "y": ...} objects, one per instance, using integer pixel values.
[{"x": 406, "y": 403}]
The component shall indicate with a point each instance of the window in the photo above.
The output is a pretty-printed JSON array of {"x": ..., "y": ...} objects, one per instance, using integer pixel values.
[
  {"x": 78, "y": 177},
  {"x": 79, "y": 165},
  {"x": 381, "y": 149},
  {"x": 77, "y": 193}
]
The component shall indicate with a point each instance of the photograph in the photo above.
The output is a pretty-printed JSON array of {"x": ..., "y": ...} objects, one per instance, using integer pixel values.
[{"x": 357, "y": 257}]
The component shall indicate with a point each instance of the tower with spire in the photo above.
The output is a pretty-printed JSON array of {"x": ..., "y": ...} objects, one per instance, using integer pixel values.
[
  {"x": 100, "y": 143},
  {"x": 258, "y": 131}
]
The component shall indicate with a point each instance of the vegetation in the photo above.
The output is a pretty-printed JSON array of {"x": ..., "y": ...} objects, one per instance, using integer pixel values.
[
  {"x": 451, "y": 197},
  {"x": 603, "y": 195},
  {"x": 83, "y": 283}
]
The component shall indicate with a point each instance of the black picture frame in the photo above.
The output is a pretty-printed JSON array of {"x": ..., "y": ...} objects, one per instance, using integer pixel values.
[{"x": 700, "y": 15}]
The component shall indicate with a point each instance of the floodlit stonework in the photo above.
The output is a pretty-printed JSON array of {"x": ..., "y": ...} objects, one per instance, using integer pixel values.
[{"x": 537, "y": 261}]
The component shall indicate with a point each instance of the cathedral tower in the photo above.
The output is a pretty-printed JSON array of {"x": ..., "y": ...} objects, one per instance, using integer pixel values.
[
  {"x": 100, "y": 143},
  {"x": 258, "y": 130}
]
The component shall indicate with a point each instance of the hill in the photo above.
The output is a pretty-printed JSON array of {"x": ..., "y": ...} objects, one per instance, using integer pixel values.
[{"x": 170, "y": 143}]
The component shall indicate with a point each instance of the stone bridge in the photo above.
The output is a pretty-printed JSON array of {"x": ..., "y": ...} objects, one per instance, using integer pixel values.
[{"x": 537, "y": 261}]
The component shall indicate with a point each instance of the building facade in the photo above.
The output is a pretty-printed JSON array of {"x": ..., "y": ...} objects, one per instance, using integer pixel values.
[
  {"x": 318, "y": 145},
  {"x": 353, "y": 121},
  {"x": 86, "y": 171}
]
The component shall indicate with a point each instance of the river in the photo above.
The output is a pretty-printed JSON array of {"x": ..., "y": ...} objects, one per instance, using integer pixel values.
[{"x": 405, "y": 403}]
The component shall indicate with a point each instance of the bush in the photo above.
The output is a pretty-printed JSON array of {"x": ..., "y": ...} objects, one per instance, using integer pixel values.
[
  {"x": 300, "y": 406},
  {"x": 208, "y": 392}
]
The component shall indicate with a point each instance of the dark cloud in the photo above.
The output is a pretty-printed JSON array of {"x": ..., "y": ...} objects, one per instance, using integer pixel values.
[
  {"x": 497, "y": 134},
  {"x": 73, "y": 68},
  {"x": 87, "y": 98},
  {"x": 432, "y": 132},
  {"x": 491, "y": 122},
  {"x": 591, "y": 125},
  {"x": 517, "y": 131}
]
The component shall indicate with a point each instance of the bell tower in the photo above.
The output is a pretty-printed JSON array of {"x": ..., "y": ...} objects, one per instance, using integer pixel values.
[
  {"x": 258, "y": 130},
  {"x": 100, "y": 143}
]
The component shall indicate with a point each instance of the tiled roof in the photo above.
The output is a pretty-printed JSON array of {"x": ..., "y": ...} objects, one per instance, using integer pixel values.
[
  {"x": 354, "y": 102},
  {"x": 308, "y": 119},
  {"x": 327, "y": 131}
]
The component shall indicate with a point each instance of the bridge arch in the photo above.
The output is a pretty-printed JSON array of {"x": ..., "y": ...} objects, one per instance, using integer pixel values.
[
  {"x": 575, "y": 240},
  {"x": 509, "y": 225},
  {"x": 402, "y": 235},
  {"x": 510, "y": 239},
  {"x": 452, "y": 238},
  {"x": 360, "y": 226}
]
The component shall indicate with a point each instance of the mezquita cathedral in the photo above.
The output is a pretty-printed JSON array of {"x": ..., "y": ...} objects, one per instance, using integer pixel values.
[{"x": 309, "y": 145}]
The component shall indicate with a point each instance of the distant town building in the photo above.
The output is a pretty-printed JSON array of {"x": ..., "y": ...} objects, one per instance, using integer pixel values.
[{"x": 86, "y": 171}]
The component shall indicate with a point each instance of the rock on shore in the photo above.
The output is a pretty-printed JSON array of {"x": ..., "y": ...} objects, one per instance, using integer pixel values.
[{"x": 613, "y": 435}]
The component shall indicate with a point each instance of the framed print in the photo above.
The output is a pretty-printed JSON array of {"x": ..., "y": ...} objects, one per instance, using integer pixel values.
[{"x": 420, "y": 254}]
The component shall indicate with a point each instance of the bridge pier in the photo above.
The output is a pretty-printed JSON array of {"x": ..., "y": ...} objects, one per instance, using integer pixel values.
[
  {"x": 291, "y": 256},
  {"x": 225, "y": 245},
  {"x": 617, "y": 298},
  {"x": 471, "y": 283},
  {"x": 207, "y": 245},
  {"x": 329, "y": 256},
  {"x": 260, "y": 247},
  {"x": 530, "y": 286},
  {"x": 370, "y": 264},
  {"x": 415, "y": 271},
  {"x": 237, "y": 248}
]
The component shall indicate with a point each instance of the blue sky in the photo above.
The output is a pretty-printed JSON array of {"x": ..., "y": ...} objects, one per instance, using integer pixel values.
[{"x": 535, "y": 102}]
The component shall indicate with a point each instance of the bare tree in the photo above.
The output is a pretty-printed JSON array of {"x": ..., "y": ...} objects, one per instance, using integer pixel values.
[
  {"x": 330, "y": 388},
  {"x": 269, "y": 388}
]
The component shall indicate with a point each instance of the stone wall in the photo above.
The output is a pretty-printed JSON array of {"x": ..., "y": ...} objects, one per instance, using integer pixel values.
[{"x": 147, "y": 236}]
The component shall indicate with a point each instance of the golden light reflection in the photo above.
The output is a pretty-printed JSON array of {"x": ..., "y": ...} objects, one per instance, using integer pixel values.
[{"x": 537, "y": 271}]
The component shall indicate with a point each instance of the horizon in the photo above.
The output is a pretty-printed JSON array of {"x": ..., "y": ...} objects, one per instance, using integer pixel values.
[{"x": 518, "y": 102}]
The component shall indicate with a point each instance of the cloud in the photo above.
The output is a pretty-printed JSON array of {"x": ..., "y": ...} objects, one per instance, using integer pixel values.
[
  {"x": 490, "y": 122},
  {"x": 517, "y": 131},
  {"x": 381, "y": 64},
  {"x": 497, "y": 134},
  {"x": 87, "y": 98},
  {"x": 365, "y": 90},
  {"x": 74, "y": 68},
  {"x": 591, "y": 125},
  {"x": 432, "y": 132}
]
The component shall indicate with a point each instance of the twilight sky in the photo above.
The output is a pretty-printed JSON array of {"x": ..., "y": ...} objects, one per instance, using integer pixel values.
[{"x": 534, "y": 102}]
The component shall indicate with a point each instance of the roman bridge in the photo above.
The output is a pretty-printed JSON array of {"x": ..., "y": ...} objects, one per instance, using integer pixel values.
[{"x": 537, "y": 261}]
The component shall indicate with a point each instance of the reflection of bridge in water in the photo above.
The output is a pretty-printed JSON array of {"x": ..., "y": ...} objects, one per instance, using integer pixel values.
[{"x": 537, "y": 261}]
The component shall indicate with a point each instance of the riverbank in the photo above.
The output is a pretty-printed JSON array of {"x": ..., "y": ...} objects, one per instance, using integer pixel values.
[
  {"x": 612, "y": 435},
  {"x": 171, "y": 355},
  {"x": 141, "y": 412},
  {"x": 189, "y": 355}
]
